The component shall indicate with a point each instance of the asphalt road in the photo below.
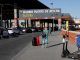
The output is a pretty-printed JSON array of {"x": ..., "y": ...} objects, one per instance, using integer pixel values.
[{"x": 10, "y": 47}]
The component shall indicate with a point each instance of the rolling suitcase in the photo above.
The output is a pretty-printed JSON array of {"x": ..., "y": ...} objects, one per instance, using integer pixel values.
[
  {"x": 34, "y": 42},
  {"x": 38, "y": 40}
]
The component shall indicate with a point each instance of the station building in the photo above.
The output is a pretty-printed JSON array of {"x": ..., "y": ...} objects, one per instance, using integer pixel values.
[{"x": 31, "y": 13}]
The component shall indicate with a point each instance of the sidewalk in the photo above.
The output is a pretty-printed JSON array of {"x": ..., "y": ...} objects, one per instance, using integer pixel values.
[{"x": 52, "y": 53}]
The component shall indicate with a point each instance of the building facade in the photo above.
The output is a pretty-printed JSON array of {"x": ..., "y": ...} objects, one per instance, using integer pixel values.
[{"x": 31, "y": 16}]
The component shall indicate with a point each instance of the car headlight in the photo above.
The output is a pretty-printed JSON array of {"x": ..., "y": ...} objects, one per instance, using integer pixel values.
[{"x": 24, "y": 30}]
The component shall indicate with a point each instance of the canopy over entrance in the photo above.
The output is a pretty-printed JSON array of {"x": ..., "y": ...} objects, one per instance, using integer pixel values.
[
  {"x": 7, "y": 7},
  {"x": 25, "y": 4}
]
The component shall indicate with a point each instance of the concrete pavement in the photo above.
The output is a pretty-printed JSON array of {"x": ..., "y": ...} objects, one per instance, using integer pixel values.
[{"x": 53, "y": 52}]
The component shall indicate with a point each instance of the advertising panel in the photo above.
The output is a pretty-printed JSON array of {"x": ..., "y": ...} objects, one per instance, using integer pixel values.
[
  {"x": 67, "y": 25},
  {"x": 39, "y": 13}
]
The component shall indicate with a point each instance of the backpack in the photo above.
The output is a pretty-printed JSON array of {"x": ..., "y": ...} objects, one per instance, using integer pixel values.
[{"x": 43, "y": 35}]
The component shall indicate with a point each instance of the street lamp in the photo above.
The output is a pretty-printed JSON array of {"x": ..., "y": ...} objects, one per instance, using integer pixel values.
[
  {"x": 51, "y": 4},
  {"x": 53, "y": 14}
]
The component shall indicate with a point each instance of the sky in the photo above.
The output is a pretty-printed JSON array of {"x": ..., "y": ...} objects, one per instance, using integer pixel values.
[{"x": 67, "y": 6}]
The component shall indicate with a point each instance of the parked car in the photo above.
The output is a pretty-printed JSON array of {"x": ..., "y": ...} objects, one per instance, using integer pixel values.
[
  {"x": 10, "y": 31},
  {"x": 22, "y": 29},
  {"x": 28, "y": 30},
  {"x": 33, "y": 29},
  {"x": 25, "y": 30},
  {"x": 39, "y": 28},
  {"x": 13, "y": 31},
  {"x": 4, "y": 32},
  {"x": 36, "y": 29},
  {"x": 16, "y": 31}
]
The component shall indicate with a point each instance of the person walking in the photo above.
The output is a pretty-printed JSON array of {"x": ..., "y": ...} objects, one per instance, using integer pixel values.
[
  {"x": 65, "y": 51},
  {"x": 45, "y": 37},
  {"x": 49, "y": 30}
]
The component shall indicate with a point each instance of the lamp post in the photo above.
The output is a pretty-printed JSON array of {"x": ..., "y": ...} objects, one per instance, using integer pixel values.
[
  {"x": 52, "y": 5},
  {"x": 53, "y": 15}
]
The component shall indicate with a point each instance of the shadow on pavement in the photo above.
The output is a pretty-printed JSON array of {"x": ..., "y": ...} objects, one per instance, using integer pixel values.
[{"x": 54, "y": 45}]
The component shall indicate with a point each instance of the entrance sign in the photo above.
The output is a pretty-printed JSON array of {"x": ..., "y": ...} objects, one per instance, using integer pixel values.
[{"x": 39, "y": 13}]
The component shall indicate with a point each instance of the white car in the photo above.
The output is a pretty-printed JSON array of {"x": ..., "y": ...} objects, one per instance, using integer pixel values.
[
  {"x": 13, "y": 31},
  {"x": 10, "y": 31}
]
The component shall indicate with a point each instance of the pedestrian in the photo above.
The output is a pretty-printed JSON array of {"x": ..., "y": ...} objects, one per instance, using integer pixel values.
[
  {"x": 66, "y": 41},
  {"x": 63, "y": 42},
  {"x": 45, "y": 37},
  {"x": 49, "y": 30},
  {"x": 65, "y": 51}
]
